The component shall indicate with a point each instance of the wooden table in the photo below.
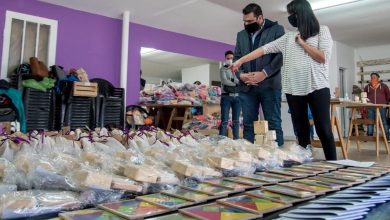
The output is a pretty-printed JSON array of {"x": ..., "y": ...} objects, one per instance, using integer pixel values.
[
  {"x": 172, "y": 113},
  {"x": 377, "y": 122}
]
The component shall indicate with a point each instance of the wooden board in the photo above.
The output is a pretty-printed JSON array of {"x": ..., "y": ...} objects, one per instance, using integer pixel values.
[
  {"x": 133, "y": 209},
  {"x": 254, "y": 204}
]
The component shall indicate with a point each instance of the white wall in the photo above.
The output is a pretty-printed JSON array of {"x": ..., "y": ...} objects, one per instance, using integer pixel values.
[
  {"x": 372, "y": 53},
  {"x": 214, "y": 72},
  {"x": 198, "y": 73},
  {"x": 157, "y": 80}
]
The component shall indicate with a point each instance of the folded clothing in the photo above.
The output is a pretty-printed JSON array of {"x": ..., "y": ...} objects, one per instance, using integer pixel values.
[{"x": 44, "y": 85}]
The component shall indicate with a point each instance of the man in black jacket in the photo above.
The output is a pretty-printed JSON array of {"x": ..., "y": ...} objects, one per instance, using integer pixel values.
[{"x": 266, "y": 70}]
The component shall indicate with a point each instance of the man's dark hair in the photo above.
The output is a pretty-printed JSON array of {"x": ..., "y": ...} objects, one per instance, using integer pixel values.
[
  {"x": 228, "y": 53},
  {"x": 255, "y": 8},
  {"x": 376, "y": 74},
  {"x": 308, "y": 25}
]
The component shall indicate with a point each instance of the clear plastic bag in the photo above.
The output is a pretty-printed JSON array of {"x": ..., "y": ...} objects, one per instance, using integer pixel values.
[
  {"x": 297, "y": 153},
  {"x": 6, "y": 188},
  {"x": 11, "y": 175},
  {"x": 28, "y": 204},
  {"x": 93, "y": 197}
]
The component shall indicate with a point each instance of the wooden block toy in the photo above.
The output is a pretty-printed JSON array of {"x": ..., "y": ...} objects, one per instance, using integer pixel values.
[
  {"x": 260, "y": 127},
  {"x": 141, "y": 173}
]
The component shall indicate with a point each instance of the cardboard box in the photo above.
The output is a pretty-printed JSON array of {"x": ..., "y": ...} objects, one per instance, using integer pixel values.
[
  {"x": 260, "y": 127},
  {"x": 92, "y": 180},
  {"x": 141, "y": 173}
]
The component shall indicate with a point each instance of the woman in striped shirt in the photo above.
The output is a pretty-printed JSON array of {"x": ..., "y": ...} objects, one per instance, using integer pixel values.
[{"x": 305, "y": 73}]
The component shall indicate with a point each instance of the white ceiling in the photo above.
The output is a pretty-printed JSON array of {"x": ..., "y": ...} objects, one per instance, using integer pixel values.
[
  {"x": 162, "y": 64},
  {"x": 359, "y": 24}
]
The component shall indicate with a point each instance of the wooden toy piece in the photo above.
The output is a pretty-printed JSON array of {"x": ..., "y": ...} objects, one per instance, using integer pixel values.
[
  {"x": 259, "y": 139},
  {"x": 141, "y": 173},
  {"x": 121, "y": 184},
  {"x": 222, "y": 162},
  {"x": 187, "y": 169},
  {"x": 271, "y": 135},
  {"x": 92, "y": 180},
  {"x": 241, "y": 156},
  {"x": 260, "y": 127}
]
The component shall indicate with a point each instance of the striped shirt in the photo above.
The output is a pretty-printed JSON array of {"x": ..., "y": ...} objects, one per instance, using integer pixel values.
[{"x": 301, "y": 74}]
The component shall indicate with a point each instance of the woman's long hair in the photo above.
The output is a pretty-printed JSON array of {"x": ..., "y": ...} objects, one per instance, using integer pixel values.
[{"x": 308, "y": 25}]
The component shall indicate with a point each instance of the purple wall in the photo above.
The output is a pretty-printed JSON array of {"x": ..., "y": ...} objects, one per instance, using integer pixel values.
[{"x": 94, "y": 42}]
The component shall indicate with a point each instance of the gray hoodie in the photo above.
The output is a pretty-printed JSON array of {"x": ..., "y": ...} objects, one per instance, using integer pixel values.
[{"x": 228, "y": 78}]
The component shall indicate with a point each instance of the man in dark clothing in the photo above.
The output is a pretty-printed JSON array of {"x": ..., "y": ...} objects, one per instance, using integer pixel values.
[
  {"x": 377, "y": 93},
  {"x": 266, "y": 70}
]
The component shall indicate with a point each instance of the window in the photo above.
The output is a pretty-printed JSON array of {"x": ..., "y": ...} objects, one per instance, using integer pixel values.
[{"x": 27, "y": 36}]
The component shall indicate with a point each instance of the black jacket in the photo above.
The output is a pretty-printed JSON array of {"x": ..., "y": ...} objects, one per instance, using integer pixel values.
[{"x": 271, "y": 63}]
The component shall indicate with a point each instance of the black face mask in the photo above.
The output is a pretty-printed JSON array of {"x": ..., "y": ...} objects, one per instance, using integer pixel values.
[
  {"x": 252, "y": 28},
  {"x": 293, "y": 20}
]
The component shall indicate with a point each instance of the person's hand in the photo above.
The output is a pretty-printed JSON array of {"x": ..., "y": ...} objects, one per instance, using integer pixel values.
[
  {"x": 299, "y": 39},
  {"x": 245, "y": 77},
  {"x": 256, "y": 78},
  {"x": 236, "y": 66}
]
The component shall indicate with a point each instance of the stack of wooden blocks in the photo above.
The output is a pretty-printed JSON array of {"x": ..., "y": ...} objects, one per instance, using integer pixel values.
[
  {"x": 262, "y": 134},
  {"x": 261, "y": 130}
]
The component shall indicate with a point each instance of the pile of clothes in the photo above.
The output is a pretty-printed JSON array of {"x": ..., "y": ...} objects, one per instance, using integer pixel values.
[{"x": 180, "y": 93}]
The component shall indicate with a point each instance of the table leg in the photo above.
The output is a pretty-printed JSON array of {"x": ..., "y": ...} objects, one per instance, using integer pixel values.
[
  {"x": 158, "y": 117},
  {"x": 350, "y": 128},
  {"x": 377, "y": 118},
  {"x": 173, "y": 113},
  {"x": 384, "y": 134},
  {"x": 187, "y": 113},
  {"x": 357, "y": 136},
  {"x": 335, "y": 122}
]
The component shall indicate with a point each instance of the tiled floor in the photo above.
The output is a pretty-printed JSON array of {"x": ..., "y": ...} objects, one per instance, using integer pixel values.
[{"x": 367, "y": 153}]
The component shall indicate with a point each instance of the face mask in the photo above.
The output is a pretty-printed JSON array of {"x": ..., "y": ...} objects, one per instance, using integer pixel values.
[
  {"x": 229, "y": 62},
  {"x": 374, "y": 82},
  {"x": 252, "y": 28},
  {"x": 293, "y": 20}
]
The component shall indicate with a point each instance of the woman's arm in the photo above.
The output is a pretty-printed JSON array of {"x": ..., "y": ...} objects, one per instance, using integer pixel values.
[
  {"x": 249, "y": 57},
  {"x": 325, "y": 42},
  {"x": 315, "y": 53},
  {"x": 272, "y": 47}
]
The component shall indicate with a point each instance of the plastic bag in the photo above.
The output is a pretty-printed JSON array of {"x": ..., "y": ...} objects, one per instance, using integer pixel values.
[
  {"x": 93, "y": 197},
  {"x": 27, "y": 204},
  {"x": 11, "y": 175},
  {"x": 297, "y": 153},
  {"x": 8, "y": 152},
  {"x": 6, "y": 188}
]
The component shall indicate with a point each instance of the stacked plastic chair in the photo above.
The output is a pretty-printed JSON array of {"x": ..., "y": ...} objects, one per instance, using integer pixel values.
[
  {"x": 73, "y": 111},
  {"x": 39, "y": 109},
  {"x": 109, "y": 105}
]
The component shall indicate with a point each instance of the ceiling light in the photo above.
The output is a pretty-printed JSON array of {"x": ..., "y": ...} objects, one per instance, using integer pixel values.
[
  {"x": 330, "y": 3},
  {"x": 145, "y": 50}
]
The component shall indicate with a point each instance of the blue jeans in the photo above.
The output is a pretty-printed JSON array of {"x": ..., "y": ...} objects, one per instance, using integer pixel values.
[
  {"x": 228, "y": 102},
  {"x": 270, "y": 101},
  {"x": 371, "y": 115}
]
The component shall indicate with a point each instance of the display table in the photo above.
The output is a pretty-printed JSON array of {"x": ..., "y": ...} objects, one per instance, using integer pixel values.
[
  {"x": 170, "y": 115},
  {"x": 377, "y": 122},
  {"x": 354, "y": 122}
]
